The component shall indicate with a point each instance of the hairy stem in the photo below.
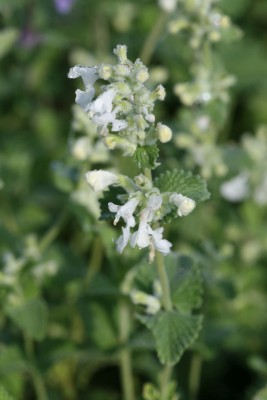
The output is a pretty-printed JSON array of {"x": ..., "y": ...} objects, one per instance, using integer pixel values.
[
  {"x": 152, "y": 39},
  {"x": 165, "y": 378},
  {"x": 194, "y": 376},
  {"x": 95, "y": 261},
  {"x": 52, "y": 233},
  {"x": 38, "y": 382},
  {"x": 125, "y": 354},
  {"x": 164, "y": 281}
]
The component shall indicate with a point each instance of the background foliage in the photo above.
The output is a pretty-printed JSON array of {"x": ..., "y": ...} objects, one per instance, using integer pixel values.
[{"x": 60, "y": 275}]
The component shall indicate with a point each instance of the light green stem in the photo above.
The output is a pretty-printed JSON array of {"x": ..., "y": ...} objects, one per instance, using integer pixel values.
[
  {"x": 52, "y": 233},
  {"x": 125, "y": 354},
  {"x": 194, "y": 376},
  {"x": 165, "y": 379},
  {"x": 164, "y": 281},
  {"x": 95, "y": 261},
  {"x": 38, "y": 382},
  {"x": 152, "y": 38}
]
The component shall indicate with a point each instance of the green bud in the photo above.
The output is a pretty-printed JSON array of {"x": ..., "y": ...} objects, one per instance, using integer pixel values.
[
  {"x": 105, "y": 71},
  {"x": 121, "y": 52}
]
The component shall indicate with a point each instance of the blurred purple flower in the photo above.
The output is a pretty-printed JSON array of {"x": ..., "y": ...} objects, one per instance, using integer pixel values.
[
  {"x": 29, "y": 38},
  {"x": 64, "y": 6}
]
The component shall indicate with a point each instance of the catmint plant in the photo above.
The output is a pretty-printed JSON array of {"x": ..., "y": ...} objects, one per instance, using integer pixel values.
[{"x": 124, "y": 115}]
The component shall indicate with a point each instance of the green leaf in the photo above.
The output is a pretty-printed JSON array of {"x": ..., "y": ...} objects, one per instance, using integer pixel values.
[
  {"x": 184, "y": 183},
  {"x": 102, "y": 330},
  {"x": 185, "y": 282},
  {"x": 31, "y": 317},
  {"x": 8, "y": 37},
  {"x": 173, "y": 333},
  {"x": 146, "y": 156}
]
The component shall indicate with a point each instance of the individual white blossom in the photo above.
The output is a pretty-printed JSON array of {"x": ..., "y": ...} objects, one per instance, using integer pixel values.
[
  {"x": 160, "y": 244},
  {"x": 236, "y": 189},
  {"x": 100, "y": 179},
  {"x": 123, "y": 240},
  {"x": 102, "y": 114},
  {"x": 125, "y": 212},
  {"x": 89, "y": 76},
  {"x": 145, "y": 236},
  {"x": 185, "y": 204}
]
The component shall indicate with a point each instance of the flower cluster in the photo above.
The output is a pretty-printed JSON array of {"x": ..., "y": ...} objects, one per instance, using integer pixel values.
[
  {"x": 123, "y": 111},
  {"x": 141, "y": 208},
  {"x": 203, "y": 20},
  {"x": 251, "y": 181}
]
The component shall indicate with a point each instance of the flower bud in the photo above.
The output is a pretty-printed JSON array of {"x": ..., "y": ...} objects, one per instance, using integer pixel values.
[
  {"x": 122, "y": 70},
  {"x": 160, "y": 92},
  {"x": 105, "y": 71},
  {"x": 121, "y": 53},
  {"x": 142, "y": 75},
  {"x": 164, "y": 133},
  {"x": 185, "y": 204}
]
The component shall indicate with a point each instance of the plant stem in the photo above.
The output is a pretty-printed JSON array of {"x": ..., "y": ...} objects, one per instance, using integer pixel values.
[
  {"x": 194, "y": 376},
  {"x": 152, "y": 38},
  {"x": 53, "y": 231},
  {"x": 125, "y": 354},
  {"x": 95, "y": 260},
  {"x": 165, "y": 378},
  {"x": 38, "y": 383},
  {"x": 166, "y": 294},
  {"x": 148, "y": 174}
]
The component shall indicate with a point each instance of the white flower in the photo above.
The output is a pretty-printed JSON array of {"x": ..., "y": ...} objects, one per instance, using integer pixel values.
[
  {"x": 162, "y": 245},
  {"x": 125, "y": 212},
  {"x": 185, "y": 204},
  {"x": 236, "y": 189},
  {"x": 121, "y": 243},
  {"x": 141, "y": 236},
  {"x": 101, "y": 112},
  {"x": 89, "y": 75},
  {"x": 100, "y": 180},
  {"x": 145, "y": 236}
]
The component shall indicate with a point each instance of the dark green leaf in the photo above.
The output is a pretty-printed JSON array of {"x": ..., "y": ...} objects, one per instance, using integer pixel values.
[
  {"x": 31, "y": 317},
  {"x": 146, "y": 156},
  {"x": 173, "y": 333}
]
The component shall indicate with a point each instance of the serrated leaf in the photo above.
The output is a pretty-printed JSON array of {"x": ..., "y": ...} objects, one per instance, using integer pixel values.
[
  {"x": 31, "y": 317},
  {"x": 184, "y": 183},
  {"x": 173, "y": 333},
  {"x": 146, "y": 156},
  {"x": 185, "y": 282},
  {"x": 110, "y": 195}
]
